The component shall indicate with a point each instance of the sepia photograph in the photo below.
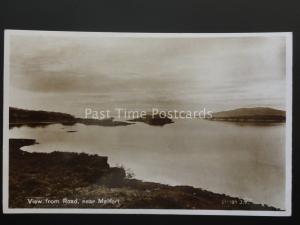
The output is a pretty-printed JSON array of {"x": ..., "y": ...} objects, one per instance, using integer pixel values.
[{"x": 147, "y": 123}]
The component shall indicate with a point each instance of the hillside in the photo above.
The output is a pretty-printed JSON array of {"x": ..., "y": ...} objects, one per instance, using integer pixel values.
[
  {"x": 58, "y": 176},
  {"x": 33, "y": 118}
]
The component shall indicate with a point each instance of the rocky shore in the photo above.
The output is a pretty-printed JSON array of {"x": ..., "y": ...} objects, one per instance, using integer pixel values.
[{"x": 79, "y": 180}]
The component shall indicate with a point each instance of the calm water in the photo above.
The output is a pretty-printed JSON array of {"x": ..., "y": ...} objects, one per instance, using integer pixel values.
[{"x": 245, "y": 161}]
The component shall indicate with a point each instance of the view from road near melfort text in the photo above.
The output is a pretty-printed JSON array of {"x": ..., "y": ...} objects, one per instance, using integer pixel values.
[{"x": 147, "y": 123}]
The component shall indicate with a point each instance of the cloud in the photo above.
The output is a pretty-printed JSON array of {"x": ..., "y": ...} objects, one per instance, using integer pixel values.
[{"x": 150, "y": 70}]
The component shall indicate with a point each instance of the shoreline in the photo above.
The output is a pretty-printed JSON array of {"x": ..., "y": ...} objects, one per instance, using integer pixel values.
[{"x": 80, "y": 180}]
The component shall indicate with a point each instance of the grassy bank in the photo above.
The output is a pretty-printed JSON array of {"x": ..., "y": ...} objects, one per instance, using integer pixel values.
[{"x": 72, "y": 180}]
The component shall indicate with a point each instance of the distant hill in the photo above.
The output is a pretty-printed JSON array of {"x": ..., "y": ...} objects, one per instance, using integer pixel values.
[
  {"x": 257, "y": 114},
  {"x": 35, "y": 118}
]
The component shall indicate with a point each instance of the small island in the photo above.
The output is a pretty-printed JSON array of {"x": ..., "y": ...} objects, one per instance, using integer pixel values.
[{"x": 154, "y": 120}]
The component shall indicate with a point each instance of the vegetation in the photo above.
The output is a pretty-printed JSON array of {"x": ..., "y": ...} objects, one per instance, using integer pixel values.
[{"x": 89, "y": 178}]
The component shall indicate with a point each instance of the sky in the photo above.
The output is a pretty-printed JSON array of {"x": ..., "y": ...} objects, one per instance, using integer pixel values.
[{"x": 73, "y": 72}]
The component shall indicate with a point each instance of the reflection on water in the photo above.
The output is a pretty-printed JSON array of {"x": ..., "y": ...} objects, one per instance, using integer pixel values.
[{"x": 245, "y": 161}]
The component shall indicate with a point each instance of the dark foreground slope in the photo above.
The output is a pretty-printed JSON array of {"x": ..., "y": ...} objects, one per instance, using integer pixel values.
[{"x": 72, "y": 180}]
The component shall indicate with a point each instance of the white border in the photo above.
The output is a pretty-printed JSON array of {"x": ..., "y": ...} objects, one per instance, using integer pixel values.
[{"x": 288, "y": 188}]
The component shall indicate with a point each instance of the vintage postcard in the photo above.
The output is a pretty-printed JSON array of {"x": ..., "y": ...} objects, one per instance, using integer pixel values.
[{"x": 147, "y": 123}]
